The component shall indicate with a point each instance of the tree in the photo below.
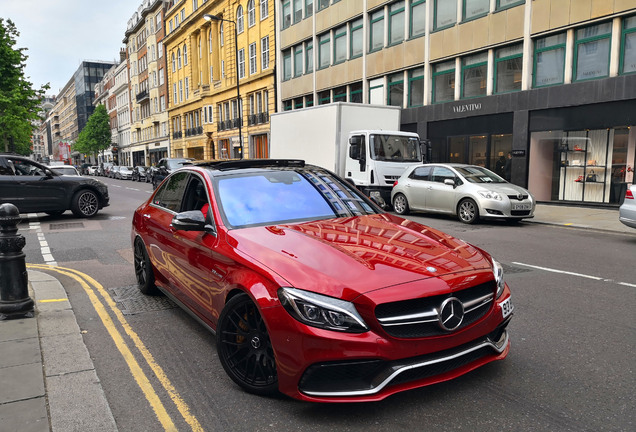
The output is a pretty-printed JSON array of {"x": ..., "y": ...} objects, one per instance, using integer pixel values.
[
  {"x": 19, "y": 102},
  {"x": 96, "y": 136}
]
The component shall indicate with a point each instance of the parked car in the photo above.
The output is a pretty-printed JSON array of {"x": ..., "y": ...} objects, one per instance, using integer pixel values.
[
  {"x": 627, "y": 210},
  {"x": 92, "y": 170},
  {"x": 139, "y": 173},
  {"x": 103, "y": 169},
  {"x": 113, "y": 171},
  {"x": 65, "y": 170},
  {"x": 124, "y": 172},
  {"x": 33, "y": 187},
  {"x": 311, "y": 289},
  {"x": 468, "y": 191},
  {"x": 164, "y": 167}
]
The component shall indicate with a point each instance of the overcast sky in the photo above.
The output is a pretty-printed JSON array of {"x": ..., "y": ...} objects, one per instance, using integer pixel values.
[{"x": 60, "y": 34}]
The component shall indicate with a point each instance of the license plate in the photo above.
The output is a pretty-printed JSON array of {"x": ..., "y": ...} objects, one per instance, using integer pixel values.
[
  {"x": 520, "y": 206},
  {"x": 507, "y": 307}
]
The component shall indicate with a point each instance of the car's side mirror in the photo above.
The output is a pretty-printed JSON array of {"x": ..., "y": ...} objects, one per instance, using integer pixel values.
[{"x": 450, "y": 182}]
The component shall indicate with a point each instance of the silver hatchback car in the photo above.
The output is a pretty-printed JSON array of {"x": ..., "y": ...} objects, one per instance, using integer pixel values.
[
  {"x": 468, "y": 191},
  {"x": 627, "y": 210}
]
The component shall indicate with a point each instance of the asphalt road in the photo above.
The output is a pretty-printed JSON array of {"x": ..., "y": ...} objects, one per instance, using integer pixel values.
[{"x": 570, "y": 368}]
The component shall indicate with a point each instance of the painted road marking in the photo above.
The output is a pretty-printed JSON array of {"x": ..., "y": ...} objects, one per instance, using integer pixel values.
[
  {"x": 90, "y": 285},
  {"x": 53, "y": 300},
  {"x": 575, "y": 274}
]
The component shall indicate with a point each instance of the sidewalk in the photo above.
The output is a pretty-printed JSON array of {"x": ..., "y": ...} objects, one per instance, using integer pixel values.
[{"x": 49, "y": 381}]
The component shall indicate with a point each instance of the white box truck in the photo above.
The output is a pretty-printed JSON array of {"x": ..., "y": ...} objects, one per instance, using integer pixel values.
[{"x": 361, "y": 143}]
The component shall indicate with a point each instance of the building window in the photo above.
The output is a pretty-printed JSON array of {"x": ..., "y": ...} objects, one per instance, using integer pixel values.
[
  {"x": 324, "y": 97},
  {"x": 549, "y": 60},
  {"x": 417, "y": 19},
  {"x": 159, "y": 49},
  {"x": 355, "y": 93},
  {"x": 309, "y": 8},
  {"x": 444, "y": 82},
  {"x": 321, "y": 4},
  {"x": 376, "y": 31},
  {"x": 376, "y": 91},
  {"x": 309, "y": 57},
  {"x": 162, "y": 103},
  {"x": 505, "y": 4},
  {"x": 445, "y": 14},
  {"x": 298, "y": 60},
  {"x": 324, "y": 54},
  {"x": 309, "y": 100},
  {"x": 239, "y": 19},
  {"x": 592, "y": 52},
  {"x": 241, "y": 63},
  {"x": 474, "y": 73},
  {"x": 356, "y": 35},
  {"x": 264, "y": 9},
  {"x": 298, "y": 103},
  {"x": 221, "y": 34},
  {"x": 396, "y": 22},
  {"x": 475, "y": 9},
  {"x": 180, "y": 91},
  {"x": 185, "y": 55},
  {"x": 287, "y": 66},
  {"x": 287, "y": 105},
  {"x": 179, "y": 58},
  {"x": 174, "y": 63},
  {"x": 252, "y": 53},
  {"x": 396, "y": 89},
  {"x": 187, "y": 88},
  {"x": 508, "y": 69},
  {"x": 265, "y": 53},
  {"x": 298, "y": 11},
  {"x": 251, "y": 13},
  {"x": 340, "y": 94},
  {"x": 628, "y": 46},
  {"x": 286, "y": 14},
  {"x": 416, "y": 87},
  {"x": 340, "y": 44}
]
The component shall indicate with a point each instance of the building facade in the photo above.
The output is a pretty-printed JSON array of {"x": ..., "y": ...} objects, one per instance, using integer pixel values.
[
  {"x": 220, "y": 61},
  {"x": 548, "y": 83},
  {"x": 149, "y": 132}
]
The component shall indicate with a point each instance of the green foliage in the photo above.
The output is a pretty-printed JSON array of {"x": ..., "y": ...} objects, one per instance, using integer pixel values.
[
  {"x": 96, "y": 136},
  {"x": 19, "y": 102}
]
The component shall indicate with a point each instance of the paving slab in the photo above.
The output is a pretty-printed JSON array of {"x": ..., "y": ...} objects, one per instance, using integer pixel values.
[
  {"x": 21, "y": 382},
  {"x": 25, "y": 416},
  {"x": 20, "y": 352}
]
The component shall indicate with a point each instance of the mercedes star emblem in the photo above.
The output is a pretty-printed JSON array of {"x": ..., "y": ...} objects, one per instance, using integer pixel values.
[{"x": 451, "y": 313}]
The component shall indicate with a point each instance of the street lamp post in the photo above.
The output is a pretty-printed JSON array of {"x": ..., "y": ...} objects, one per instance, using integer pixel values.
[{"x": 209, "y": 17}]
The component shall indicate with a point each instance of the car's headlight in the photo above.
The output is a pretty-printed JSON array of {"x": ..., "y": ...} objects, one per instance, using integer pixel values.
[
  {"x": 321, "y": 311},
  {"x": 499, "y": 277},
  {"x": 490, "y": 195}
]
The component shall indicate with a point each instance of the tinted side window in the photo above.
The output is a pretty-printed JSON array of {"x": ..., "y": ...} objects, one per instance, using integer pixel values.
[
  {"x": 420, "y": 173},
  {"x": 170, "y": 194},
  {"x": 442, "y": 173}
]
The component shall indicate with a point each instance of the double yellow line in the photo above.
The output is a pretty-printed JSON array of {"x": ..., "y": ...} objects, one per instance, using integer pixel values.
[{"x": 90, "y": 285}]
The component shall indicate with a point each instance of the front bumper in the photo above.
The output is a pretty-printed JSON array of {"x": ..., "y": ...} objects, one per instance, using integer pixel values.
[
  {"x": 326, "y": 366},
  {"x": 491, "y": 209}
]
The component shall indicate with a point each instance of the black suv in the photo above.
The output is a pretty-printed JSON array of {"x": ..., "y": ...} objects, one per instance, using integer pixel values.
[
  {"x": 164, "y": 167},
  {"x": 33, "y": 188}
]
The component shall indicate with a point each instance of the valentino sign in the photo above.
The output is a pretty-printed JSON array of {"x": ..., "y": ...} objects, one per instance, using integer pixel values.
[{"x": 467, "y": 107}]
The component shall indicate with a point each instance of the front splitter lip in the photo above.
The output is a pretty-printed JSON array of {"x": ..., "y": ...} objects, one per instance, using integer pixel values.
[{"x": 498, "y": 346}]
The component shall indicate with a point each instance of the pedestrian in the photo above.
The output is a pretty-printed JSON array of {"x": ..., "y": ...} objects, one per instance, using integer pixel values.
[{"x": 508, "y": 167}]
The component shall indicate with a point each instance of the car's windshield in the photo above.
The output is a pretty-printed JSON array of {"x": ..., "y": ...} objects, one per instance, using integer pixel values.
[
  {"x": 475, "y": 174},
  {"x": 268, "y": 197},
  {"x": 175, "y": 164},
  {"x": 395, "y": 148}
]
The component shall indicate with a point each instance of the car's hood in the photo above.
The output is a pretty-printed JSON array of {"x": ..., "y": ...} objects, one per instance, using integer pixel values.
[
  {"x": 502, "y": 188},
  {"x": 350, "y": 256}
]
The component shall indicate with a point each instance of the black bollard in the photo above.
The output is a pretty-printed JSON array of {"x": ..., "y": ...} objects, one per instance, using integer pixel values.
[{"x": 14, "y": 291}]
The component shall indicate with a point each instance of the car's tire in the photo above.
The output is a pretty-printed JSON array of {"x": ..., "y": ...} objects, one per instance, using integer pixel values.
[
  {"x": 85, "y": 203},
  {"x": 468, "y": 211},
  {"x": 244, "y": 347},
  {"x": 143, "y": 270},
  {"x": 400, "y": 204}
]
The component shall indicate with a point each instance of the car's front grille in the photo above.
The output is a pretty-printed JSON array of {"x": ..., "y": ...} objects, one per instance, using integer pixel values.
[
  {"x": 419, "y": 318},
  {"x": 517, "y": 197},
  {"x": 519, "y": 212}
]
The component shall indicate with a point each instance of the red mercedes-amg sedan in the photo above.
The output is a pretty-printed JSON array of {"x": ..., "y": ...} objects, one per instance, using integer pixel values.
[{"x": 311, "y": 289}]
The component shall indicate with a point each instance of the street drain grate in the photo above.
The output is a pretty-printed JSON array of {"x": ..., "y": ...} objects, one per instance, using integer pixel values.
[
  {"x": 66, "y": 225},
  {"x": 508, "y": 269},
  {"x": 131, "y": 301}
]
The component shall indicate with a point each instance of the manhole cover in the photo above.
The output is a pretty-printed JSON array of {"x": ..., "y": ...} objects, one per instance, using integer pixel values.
[
  {"x": 66, "y": 225},
  {"x": 131, "y": 301}
]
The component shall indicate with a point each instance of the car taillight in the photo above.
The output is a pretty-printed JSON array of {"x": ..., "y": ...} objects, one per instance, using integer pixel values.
[{"x": 628, "y": 195}]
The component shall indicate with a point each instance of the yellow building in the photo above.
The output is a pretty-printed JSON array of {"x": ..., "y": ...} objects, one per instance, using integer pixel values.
[{"x": 204, "y": 40}]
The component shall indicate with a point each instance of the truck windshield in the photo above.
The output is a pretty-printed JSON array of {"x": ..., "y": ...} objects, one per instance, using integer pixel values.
[{"x": 395, "y": 148}]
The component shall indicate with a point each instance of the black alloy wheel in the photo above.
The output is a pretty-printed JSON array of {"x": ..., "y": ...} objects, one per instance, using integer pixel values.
[
  {"x": 143, "y": 270},
  {"x": 85, "y": 203},
  {"x": 244, "y": 347}
]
